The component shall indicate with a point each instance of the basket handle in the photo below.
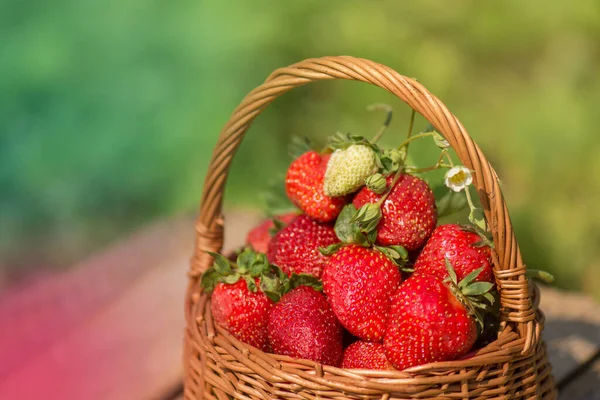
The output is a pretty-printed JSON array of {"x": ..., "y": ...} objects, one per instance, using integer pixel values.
[{"x": 517, "y": 309}]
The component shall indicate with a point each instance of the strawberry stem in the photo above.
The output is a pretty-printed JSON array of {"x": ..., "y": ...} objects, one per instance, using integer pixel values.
[
  {"x": 386, "y": 123},
  {"x": 410, "y": 128},
  {"x": 415, "y": 137},
  {"x": 391, "y": 187}
]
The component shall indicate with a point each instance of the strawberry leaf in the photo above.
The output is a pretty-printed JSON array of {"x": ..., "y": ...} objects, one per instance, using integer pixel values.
[
  {"x": 543, "y": 276},
  {"x": 467, "y": 280},
  {"x": 271, "y": 286},
  {"x": 449, "y": 202},
  {"x": 342, "y": 140},
  {"x": 440, "y": 141},
  {"x": 230, "y": 279},
  {"x": 275, "y": 199},
  {"x": 490, "y": 298},
  {"x": 298, "y": 280},
  {"x": 477, "y": 288},
  {"x": 250, "y": 282},
  {"x": 299, "y": 145},
  {"x": 209, "y": 279},
  {"x": 451, "y": 272},
  {"x": 345, "y": 230},
  {"x": 221, "y": 264},
  {"x": 330, "y": 250},
  {"x": 397, "y": 254}
]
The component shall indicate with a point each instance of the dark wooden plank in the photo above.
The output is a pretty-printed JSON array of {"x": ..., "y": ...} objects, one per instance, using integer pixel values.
[
  {"x": 572, "y": 330},
  {"x": 586, "y": 385},
  {"x": 109, "y": 329}
]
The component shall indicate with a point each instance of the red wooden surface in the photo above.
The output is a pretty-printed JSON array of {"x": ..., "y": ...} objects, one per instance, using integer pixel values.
[{"x": 111, "y": 327}]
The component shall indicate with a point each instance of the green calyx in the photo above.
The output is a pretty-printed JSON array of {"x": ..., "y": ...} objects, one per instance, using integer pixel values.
[
  {"x": 341, "y": 140},
  {"x": 477, "y": 297},
  {"x": 360, "y": 227},
  {"x": 250, "y": 266},
  {"x": 376, "y": 183}
]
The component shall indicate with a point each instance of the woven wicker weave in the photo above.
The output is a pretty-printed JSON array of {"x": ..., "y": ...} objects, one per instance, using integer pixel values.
[{"x": 217, "y": 366}]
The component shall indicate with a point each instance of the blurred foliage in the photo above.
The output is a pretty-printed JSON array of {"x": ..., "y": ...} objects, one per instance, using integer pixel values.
[{"x": 109, "y": 110}]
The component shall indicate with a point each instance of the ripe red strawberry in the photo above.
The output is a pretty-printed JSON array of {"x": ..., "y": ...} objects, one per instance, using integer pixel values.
[
  {"x": 295, "y": 248},
  {"x": 242, "y": 313},
  {"x": 358, "y": 282},
  {"x": 456, "y": 244},
  {"x": 427, "y": 323},
  {"x": 409, "y": 213},
  {"x": 302, "y": 325},
  {"x": 258, "y": 237},
  {"x": 304, "y": 187},
  {"x": 365, "y": 355}
]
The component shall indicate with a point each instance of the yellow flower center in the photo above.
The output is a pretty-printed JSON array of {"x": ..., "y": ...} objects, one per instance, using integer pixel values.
[{"x": 458, "y": 178}]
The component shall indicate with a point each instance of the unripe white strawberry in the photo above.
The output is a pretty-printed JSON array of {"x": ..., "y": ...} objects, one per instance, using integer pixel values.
[{"x": 348, "y": 168}]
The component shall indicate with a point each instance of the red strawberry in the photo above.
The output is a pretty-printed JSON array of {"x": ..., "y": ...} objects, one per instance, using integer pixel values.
[
  {"x": 456, "y": 244},
  {"x": 242, "y": 312},
  {"x": 295, "y": 248},
  {"x": 427, "y": 322},
  {"x": 409, "y": 213},
  {"x": 304, "y": 187},
  {"x": 365, "y": 355},
  {"x": 302, "y": 325},
  {"x": 258, "y": 238},
  {"x": 358, "y": 282}
]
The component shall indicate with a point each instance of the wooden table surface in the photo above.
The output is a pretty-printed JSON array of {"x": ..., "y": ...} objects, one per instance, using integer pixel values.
[{"x": 111, "y": 327}]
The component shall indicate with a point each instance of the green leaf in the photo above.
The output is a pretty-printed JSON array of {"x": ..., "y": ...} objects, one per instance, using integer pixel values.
[
  {"x": 344, "y": 140},
  {"x": 250, "y": 282},
  {"x": 477, "y": 288},
  {"x": 298, "y": 280},
  {"x": 477, "y": 218},
  {"x": 231, "y": 279},
  {"x": 449, "y": 202},
  {"x": 397, "y": 254},
  {"x": 275, "y": 199},
  {"x": 370, "y": 238},
  {"x": 221, "y": 264},
  {"x": 490, "y": 298},
  {"x": 209, "y": 279},
  {"x": 299, "y": 145},
  {"x": 271, "y": 286},
  {"x": 330, "y": 250},
  {"x": 451, "y": 272},
  {"x": 467, "y": 280},
  {"x": 344, "y": 229},
  {"x": 428, "y": 128},
  {"x": 540, "y": 275},
  {"x": 245, "y": 259},
  {"x": 440, "y": 141}
]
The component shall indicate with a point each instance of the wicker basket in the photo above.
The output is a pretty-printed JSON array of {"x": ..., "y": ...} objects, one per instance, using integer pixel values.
[{"x": 217, "y": 366}]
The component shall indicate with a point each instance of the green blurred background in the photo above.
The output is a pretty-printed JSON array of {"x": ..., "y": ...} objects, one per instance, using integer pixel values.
[{"x": 109, "y": 110}]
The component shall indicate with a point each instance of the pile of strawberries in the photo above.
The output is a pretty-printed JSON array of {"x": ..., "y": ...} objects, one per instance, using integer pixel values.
[{"x": 360, "y": 276}]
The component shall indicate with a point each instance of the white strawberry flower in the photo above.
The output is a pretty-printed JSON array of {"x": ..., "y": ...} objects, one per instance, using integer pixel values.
[{"x": 458, "y": 178}]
